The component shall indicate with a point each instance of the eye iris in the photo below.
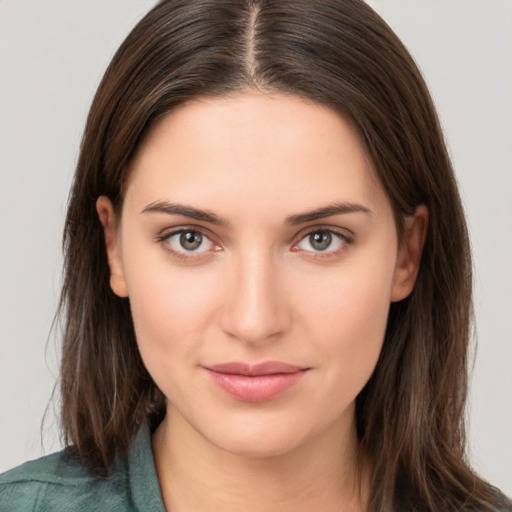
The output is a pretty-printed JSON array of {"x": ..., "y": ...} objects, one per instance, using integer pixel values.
[
  {"x": 190, "y": 240},
  {"x": 320, "y": 240}
]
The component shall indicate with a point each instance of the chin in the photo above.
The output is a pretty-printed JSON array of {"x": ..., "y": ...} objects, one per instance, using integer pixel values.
[
  {"x": 257, "y": 447},
  {"x": 257, "y": 436}
]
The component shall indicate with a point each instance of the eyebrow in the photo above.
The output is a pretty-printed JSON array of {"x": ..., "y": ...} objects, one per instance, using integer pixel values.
[
  {"x": 185, "y": 211},
  {"x": 327, "y": 211},
  {"x": 300, "y": 218}
]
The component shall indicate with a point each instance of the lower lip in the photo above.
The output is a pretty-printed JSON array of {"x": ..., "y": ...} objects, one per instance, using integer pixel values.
[{"x": 257, "y": 388}]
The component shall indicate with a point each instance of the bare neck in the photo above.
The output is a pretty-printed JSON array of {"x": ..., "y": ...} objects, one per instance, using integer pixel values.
[{"x": 194, "y": 474}]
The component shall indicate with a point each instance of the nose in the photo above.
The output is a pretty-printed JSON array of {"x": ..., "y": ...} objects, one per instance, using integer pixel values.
[{"x": 255, "y": 308}]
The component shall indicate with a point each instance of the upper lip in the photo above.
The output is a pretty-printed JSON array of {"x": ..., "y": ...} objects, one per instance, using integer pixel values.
[{"x": 265, "y": 368}]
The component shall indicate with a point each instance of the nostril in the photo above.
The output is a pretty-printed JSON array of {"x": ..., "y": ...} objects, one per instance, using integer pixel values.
[
  {"x": 254, "y": 309},
  {"x": 255, "y": 322}
]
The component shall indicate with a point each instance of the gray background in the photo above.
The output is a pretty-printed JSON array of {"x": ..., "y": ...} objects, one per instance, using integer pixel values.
[{"x": 52, "y": 55}]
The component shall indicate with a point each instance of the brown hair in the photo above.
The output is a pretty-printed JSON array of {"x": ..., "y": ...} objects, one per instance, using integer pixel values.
[{"x": 410, "y": 415}]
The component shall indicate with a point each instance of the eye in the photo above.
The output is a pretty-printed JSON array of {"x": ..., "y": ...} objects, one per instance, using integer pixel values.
[
  {"x": 189, "y": 241},
  {"x": 323, "y": 241}
]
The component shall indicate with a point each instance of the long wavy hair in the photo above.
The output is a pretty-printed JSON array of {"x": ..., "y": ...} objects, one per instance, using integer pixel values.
[{"x": 339, "y": 53}]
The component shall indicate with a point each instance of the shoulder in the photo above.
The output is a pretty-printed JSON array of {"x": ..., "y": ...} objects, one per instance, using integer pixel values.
[{"x": 60, "y": 482}]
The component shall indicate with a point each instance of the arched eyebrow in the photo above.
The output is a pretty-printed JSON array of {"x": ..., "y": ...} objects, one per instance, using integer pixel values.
[
  {"x": 327, "y": 211},
  {"x": 185, "y": 211},
  {"x": 208, "y": 216}
]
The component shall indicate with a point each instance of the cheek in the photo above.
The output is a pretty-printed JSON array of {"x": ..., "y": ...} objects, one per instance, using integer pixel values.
[
  {"x": 171, "y": 309},
  {"x": 348, "y": 318},
  {"x": 357, "y": 296}
]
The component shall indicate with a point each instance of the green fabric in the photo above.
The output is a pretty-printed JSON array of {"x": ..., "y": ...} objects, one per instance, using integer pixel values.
[{"x": 60, "y": 483}]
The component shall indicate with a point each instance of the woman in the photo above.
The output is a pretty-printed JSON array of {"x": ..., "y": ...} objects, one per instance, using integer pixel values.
[{"x": 268, "y": 286}]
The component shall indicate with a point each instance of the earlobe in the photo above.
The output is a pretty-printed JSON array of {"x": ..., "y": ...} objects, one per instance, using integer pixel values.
[
  {"x": 108, "y": 221},
  {"x": 409, "y": 254}
]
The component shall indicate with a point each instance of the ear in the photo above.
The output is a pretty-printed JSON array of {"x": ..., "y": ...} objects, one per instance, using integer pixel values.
[
  {"x": 409, "y": 254},
  {"x": 108, "y": 220}
]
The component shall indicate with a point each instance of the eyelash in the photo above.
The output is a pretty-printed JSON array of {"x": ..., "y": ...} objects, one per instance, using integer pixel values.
[
  {"x": 183, "y": 255},
  {"x": 344, "y": 239}
]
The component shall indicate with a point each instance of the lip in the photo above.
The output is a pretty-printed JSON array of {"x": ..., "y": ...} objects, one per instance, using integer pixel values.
[{"x": 255, "y": 383}]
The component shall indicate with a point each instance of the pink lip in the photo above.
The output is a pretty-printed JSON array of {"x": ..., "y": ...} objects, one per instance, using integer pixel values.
[{"x": 255, "y": 383}]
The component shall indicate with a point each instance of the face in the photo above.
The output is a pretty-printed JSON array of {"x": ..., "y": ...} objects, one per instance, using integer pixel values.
[{"x": 260, "y": 257}]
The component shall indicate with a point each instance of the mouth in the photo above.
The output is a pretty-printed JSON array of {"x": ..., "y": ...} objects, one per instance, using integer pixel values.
[{"x": 255, "y": 383}]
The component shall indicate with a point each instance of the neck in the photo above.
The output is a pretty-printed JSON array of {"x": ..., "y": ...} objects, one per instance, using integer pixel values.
[{"x": 194, "y": 474}]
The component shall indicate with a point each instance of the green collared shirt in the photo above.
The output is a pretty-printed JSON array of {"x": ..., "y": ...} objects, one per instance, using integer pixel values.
[{"x": 60, "y": 483}]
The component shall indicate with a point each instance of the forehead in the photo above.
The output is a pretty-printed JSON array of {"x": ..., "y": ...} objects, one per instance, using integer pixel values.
[{"x": 270, "y": 150}]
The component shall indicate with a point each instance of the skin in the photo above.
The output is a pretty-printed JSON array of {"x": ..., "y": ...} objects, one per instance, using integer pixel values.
[{"x": 258, "y": 289}]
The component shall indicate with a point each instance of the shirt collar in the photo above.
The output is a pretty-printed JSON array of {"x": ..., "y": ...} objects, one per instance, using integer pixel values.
[{"x": 144, "y": 485}]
